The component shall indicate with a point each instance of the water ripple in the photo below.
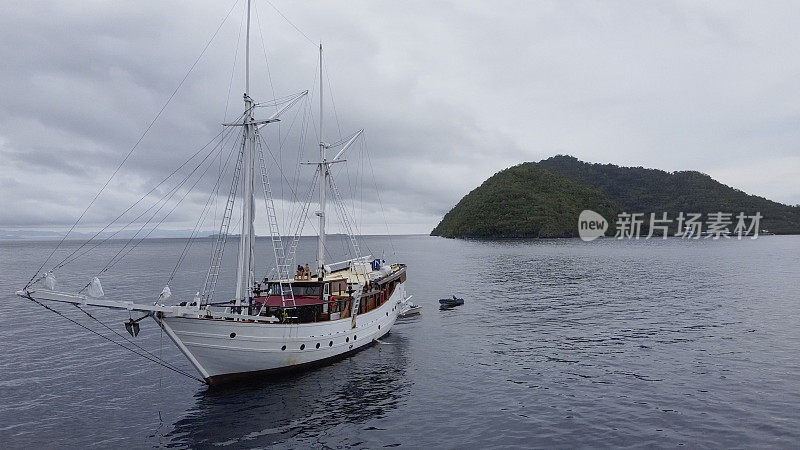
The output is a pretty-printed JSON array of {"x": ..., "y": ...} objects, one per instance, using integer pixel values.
[{"x": 560, "y": 344}]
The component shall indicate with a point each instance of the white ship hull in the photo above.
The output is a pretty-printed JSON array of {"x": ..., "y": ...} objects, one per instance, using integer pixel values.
[{"x": 223, "y": 350}]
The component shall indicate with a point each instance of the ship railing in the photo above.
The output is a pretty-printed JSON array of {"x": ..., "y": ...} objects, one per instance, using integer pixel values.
[{"x": 191, "y": 310}]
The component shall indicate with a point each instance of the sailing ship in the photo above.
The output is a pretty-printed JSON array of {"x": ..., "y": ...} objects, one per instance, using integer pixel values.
[{"x": 296, "y": 319}]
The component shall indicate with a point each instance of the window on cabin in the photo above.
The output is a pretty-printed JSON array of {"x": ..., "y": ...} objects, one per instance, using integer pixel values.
[
  {"x": 310, "y": 291},
  {"x": 338, "y": 287}
]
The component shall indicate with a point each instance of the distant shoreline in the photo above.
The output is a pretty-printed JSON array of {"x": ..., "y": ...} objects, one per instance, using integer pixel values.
[
  {"x": 86, "y": 238},
  {"x": 642, "y": 238}
]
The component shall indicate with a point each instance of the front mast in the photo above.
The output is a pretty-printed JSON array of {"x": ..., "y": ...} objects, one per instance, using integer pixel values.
[{"x": 244, "y": 272}]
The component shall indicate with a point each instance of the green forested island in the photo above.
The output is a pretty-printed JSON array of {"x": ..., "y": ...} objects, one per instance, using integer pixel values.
[{"x": 544, "y": 199}]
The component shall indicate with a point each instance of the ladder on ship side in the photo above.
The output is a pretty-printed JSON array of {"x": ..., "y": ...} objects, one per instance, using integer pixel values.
[
  {"x": 212, "y": 276},
  {"x": 287, "y": 294}
]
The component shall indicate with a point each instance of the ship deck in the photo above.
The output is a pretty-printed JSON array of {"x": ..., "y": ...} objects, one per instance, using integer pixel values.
[{"x": 349, "y": 275}]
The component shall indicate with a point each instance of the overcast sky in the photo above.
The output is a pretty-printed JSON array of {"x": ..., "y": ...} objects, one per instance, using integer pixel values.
[{"x": 448, "y": 92}]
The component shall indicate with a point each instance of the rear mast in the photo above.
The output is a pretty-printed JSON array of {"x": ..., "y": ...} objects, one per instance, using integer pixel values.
[{"x": 324, "y": 170}]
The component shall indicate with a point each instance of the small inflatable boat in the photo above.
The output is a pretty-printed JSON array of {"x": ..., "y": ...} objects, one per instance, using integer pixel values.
[{"x": 446, "y": 303}]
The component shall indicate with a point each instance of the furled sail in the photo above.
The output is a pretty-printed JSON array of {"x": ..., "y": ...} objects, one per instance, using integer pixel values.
[{"x": 49, "y": 281}]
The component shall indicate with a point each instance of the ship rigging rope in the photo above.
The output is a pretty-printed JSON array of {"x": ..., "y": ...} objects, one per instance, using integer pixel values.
[
  {"x": 310, "y": 100},
  {"x": 116, "y": 258},
  {"x": 377, "y": 191},
  {"x": 131, "y": 222},
  {"x": 136, "y": 144},
  {"x": 343, "y": 140},
  {"x": 333, "y": 102},
  {"x": 278, "y": 101},
  {"x": 346, "y": 169},
  {"x": 304, "y": 126},
  {"x": 71, "y": 257},
  {"x": 125, "y": 337},
  {"x": 272, "y": 88},
  {"x": 283, "y": 176},
  {"x": 225, "y": 117},
  {"x": 290, "y": 23},
  {"x": 343, "y": 216},
  {"x": 300, "y": 220},
  {"x": 233, "y": 69},
  {"x": 344, "y": 210},
  {"x": 340, "y": 213},
  {"x": 202, "y": 217},
  {"x": 143, "y": 355},
  {"x": 218, "y": 249},
  {"x": 163, "y": 199},
  {"x": 288, "y": 212}
]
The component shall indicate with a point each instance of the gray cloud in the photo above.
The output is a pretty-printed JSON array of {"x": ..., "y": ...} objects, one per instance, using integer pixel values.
[{"x": 449, "y": 93}]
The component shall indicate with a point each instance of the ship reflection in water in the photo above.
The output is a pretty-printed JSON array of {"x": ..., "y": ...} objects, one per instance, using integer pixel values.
[{"x": 302, "y": 406}]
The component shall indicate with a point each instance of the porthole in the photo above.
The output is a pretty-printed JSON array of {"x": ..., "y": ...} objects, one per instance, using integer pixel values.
[
  {"x": 379, "y": 327},
  {"x": 387, "y": 313},
  {"x": 330, "y": 344},
  {"x": 355, "y": 337},
  {"x": 317, "y": 344},
  {"x": 233, "y": 335},
  {"x": 302, "y": 346},
  {"x": 283, "y": 348},
  {"x": 347, "y": 340}
]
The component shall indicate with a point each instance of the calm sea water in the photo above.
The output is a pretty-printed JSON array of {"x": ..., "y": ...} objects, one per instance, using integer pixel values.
[{"x": 560, "y": 344}]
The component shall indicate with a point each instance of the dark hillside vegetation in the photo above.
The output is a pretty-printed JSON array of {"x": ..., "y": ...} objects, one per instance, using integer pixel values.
[
  {"x": 638, "y": 189},
  {"x": 526, "y": 200},
  {"x": 544, "y": 199}
]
